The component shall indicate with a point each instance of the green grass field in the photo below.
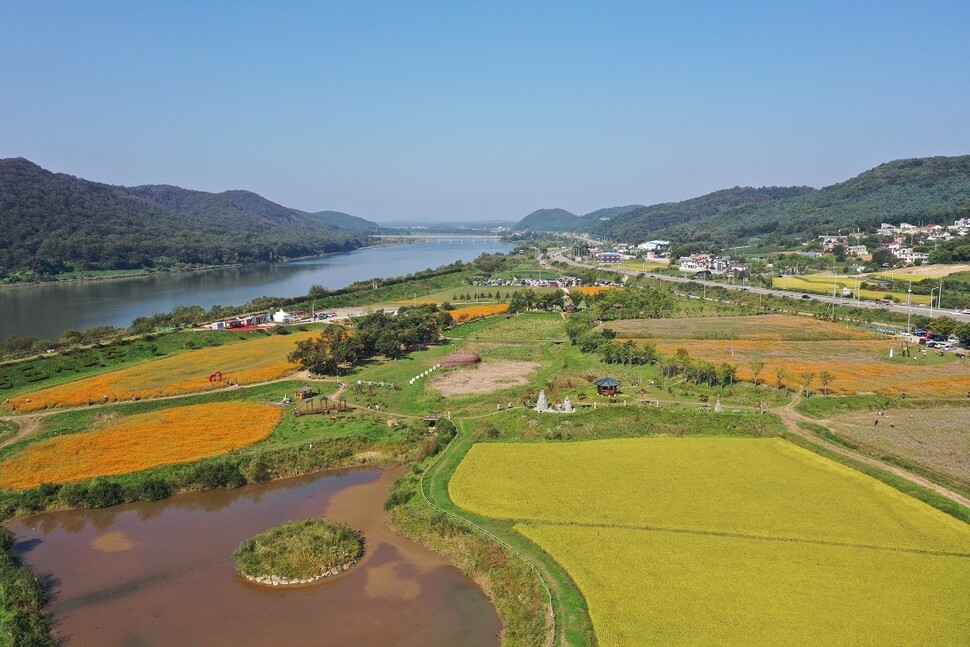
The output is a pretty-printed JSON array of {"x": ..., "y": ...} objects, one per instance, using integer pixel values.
[{"x": 728, "y": 541}]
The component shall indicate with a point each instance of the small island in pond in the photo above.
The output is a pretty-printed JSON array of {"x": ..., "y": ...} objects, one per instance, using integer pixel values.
[{"x": 299, "y": 552}]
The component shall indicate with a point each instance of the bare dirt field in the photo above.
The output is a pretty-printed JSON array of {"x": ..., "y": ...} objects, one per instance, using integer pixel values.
[
  {"x": 937, "y": 439},
  {"x": 486, "y": 377},
  {"x": 928, "y": 271},
  {"x": 753, "y": 328}
]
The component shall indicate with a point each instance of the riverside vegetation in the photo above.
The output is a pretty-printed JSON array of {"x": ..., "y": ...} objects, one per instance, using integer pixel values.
[
  {"x": 299, "y": 551},
  {"x": 541, "y": 588}
]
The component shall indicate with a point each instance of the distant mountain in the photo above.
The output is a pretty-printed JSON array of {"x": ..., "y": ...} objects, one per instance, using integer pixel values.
[
  {"x": 54, "y": 223},
  {"x": 933, "y": 189},
  {"x": 550, "y": 220},
  {"x": 610, "y": 212},
  {"x": 340, "y": 220},
  {"x": 663, "y": 220}
]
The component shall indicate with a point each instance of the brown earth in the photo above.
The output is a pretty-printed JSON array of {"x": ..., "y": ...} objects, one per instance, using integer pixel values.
[{"x": 486, "y": 377}]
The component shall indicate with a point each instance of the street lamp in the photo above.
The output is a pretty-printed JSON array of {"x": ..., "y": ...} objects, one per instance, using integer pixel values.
[{"x": 931, "y": 301}]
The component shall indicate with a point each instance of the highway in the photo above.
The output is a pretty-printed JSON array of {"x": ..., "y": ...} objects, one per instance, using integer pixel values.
[{"x": 916, "y": 310}]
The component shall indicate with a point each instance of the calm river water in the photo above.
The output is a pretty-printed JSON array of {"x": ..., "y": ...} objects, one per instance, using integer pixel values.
[
  {"x": 46, "y": 311},
  {"x": 162, "y": 573}
]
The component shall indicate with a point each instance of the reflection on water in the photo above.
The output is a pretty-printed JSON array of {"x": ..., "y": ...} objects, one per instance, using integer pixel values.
[
  {"x": 27, "y": 311},
  {"x": 162, "y": 573}
]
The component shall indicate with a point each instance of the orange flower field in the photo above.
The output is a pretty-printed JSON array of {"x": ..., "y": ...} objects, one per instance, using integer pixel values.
[
  {"x": 175, "y": 435},
  {"x": 247, "y": 362},
  {"x": 856, "y": 366},
  {"x": 474, "y": 312}
]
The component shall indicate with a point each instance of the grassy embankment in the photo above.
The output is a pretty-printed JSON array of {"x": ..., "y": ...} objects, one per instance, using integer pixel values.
[{"x": 23, "y": 620}]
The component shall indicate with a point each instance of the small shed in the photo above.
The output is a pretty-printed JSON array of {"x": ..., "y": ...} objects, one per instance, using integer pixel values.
[
  {"x": 607, "y": 386},
  {"x": 304, "y": 392}
]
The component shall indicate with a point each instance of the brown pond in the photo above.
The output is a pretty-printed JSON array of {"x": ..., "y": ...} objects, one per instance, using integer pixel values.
[{"x": 162, "y": 573}]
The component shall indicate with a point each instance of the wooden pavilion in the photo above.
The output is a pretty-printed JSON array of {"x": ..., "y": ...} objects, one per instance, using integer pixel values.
[{"x": 607, "y": 386}]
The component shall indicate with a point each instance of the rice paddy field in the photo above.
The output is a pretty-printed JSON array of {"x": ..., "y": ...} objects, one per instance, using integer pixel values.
[
  {"x": 735, "y": 541},
  {"x": 937, "y": 439},
  {"x": 258, "y": 360},
  {"x": 141, "y": 441},
  {"x": 822, "y": 284}
]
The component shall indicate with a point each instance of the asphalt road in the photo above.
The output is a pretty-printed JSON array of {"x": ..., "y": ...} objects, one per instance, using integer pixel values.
[{"x": 560, "y": 256}]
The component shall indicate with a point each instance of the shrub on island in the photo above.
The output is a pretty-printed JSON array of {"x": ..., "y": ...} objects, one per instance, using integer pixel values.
[{"x": 297, "y": 552}]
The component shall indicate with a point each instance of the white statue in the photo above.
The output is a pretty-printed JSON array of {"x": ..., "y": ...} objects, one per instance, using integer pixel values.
[{"x": 542, "y": 405}]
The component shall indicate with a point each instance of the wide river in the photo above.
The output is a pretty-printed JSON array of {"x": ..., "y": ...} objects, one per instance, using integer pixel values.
[
  {"x": 162, "y": 573},
  {"x": 46, "y": 311}
]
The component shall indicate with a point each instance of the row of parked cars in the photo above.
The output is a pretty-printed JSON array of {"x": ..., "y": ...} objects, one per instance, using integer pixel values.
[{"x": 936, "y": 341}]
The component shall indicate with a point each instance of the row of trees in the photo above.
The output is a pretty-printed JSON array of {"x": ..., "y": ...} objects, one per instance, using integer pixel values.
[{"x": 374, "y": 334}]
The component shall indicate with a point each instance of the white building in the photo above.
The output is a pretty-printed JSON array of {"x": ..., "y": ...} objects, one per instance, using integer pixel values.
[{"x": 282, "y": 316}]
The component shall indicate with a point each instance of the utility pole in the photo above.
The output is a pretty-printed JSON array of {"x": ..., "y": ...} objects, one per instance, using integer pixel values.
[{"x": 909, "y": 304}]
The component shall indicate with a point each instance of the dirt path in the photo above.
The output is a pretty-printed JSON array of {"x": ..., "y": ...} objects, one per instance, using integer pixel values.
[{"x": 791, "y": 418}]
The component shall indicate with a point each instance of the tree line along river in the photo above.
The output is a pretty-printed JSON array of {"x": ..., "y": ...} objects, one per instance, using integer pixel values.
[{"x": 47, "y": 310}]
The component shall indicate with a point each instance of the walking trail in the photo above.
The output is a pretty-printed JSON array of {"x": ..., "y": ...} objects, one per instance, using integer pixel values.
[{"x": 791, "y": 418}]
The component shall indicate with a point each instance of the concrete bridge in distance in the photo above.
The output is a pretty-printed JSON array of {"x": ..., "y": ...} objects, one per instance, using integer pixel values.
[{"x": 432, "y": 238}]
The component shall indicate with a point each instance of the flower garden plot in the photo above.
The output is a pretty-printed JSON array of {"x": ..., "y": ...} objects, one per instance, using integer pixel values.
[
  {"x": 855, "y": 366},
  {"x": 475, "y": 312},
  {"x": 259, "y": 360},
  {"x": 176, "y": 435}
]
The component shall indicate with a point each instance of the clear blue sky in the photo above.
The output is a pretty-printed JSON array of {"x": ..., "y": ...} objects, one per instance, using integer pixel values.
[{"x": 462, "y": 110}]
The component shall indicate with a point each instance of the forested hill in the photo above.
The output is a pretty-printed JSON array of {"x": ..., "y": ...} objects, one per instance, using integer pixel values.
[
  {"x": 933, "y": 189},
  {"x": 55, "y": 223},
  {"x": 550, "y": 220},
  {"x": 340, "y": 220}
]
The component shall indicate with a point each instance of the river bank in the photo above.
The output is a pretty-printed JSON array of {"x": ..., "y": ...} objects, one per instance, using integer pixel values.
[{"x": 45, "y": 310}]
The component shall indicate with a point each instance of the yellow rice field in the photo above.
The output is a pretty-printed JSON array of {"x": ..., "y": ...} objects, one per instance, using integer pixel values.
[
  {"x": 854, "y": 364},
  {"x": 729, "y": 541},
  {"x": 176, "y": 435},
  {"x": 247, "y": 362},
  {"x": 822, "y": 284}
]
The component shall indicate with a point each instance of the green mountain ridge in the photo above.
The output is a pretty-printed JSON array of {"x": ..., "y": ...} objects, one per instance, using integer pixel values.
[
  {"x": 55, "y": 223},
  {"x": 920, "y": 190},
  {"x": 550, "y": 220}
]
